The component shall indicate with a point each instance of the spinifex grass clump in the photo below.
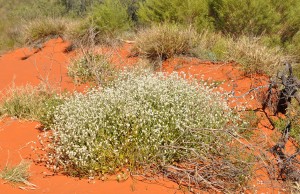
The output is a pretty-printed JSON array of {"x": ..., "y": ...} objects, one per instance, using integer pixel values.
[
  {"x": 148, "y": 120},
  {"x": 161, "y": 42}
]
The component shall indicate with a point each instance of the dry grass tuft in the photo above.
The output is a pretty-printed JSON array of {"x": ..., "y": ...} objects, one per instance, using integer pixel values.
[
  {"x": 253, "y": 56},
  {"x": 164, "y": 41},
  {"x": 38, "y": 31},
  {"x": 16, "y": 174}
]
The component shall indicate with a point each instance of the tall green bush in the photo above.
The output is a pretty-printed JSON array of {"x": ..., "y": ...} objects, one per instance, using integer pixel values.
[
  {"x": 110, "y": 17},
  {"x": 251, "y": 17},
  {"x": 289, "y": 11},
  {"x": 190, "y": 12}
]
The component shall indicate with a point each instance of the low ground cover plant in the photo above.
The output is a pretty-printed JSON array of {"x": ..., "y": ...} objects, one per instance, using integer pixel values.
[
  {"x": 92, "y": 68},
  {"x": 149, "y": 120},
  {"x": 30, "y": 102}
]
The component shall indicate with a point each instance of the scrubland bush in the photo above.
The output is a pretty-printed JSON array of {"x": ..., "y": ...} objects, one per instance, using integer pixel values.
[
  {"x": 293, "y": 46},
  {"x": 211, "y": 46},
  {"x": 104, "y": 22},
  {"x": 190, "y": 12},
  {"x": 76, "y": 8},
  {"x": 252, "y": 17},
  {"x": 92, "y": 68},
  {"x": 110, "y": 17},
  {"x": 289, "y": 11},
  {"x": 142, "y": 120},
  {"x": 164, "y": 41}
]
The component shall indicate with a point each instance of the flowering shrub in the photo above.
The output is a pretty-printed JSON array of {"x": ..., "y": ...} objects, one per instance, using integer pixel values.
[{"x": 137, "y": 121}]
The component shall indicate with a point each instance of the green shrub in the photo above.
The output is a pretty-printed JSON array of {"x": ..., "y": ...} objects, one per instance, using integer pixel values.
[
  {"x": 142, "y": 120},
  {"x": 164, "y": 41},
  {"x": 110, "y": 17},
  {"x": 252, "y": 17},
  {"x": 37, "y": 31},
  {"x": 190, "y": 12},
  {"x": 92, "y": 68},
  {"x": 211, "y": 46},
  {"x": 296, "y": 70},
  {"x": 75, "y": 8},
  {"x": 293, "y": 46},
  {"x": 289, "y": 11}
]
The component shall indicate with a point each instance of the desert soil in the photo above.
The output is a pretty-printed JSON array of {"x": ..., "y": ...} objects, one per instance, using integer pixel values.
[{"x": 49, "y": 64}]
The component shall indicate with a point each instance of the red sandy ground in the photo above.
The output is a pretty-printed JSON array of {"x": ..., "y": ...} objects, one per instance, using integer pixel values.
[{"x": 25, "y": 66}]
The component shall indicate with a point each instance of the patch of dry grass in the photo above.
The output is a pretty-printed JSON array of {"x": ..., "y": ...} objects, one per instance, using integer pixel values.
[
  {"x": 38, "y": 31},
  {"x": 16, "y": 174},
  {"x": 253, "y": 56},
  {"x": 163, "y": 41}
]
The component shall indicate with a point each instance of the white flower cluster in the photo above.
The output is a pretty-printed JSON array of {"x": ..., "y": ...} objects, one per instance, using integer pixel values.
[{"x": 133, "y": 120}]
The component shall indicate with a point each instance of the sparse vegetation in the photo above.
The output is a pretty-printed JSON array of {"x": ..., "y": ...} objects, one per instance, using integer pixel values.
[
  {"x": 92, "y": 68},
  {"x": 26, "y": 102},
  {"x": 16, "y": 174}
]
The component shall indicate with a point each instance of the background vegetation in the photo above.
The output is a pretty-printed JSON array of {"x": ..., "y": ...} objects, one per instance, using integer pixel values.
[{"x": 278, "y": 22}]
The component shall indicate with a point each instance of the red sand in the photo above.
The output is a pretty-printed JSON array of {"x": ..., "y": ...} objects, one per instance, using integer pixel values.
[
  {"x": 24, "y": 66},
  {"x": 16, "y": 138}
]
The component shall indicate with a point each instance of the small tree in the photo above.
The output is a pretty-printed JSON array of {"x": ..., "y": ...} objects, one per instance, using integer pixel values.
[{"x": 252, "y": 17}]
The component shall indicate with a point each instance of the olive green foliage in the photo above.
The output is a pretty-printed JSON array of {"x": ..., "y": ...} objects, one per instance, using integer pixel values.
[
  {"x": 190, "y": 12},
  {"x": 296, "y": 70},
  {"x": 280, "y": 124},
  {"x": 75, "y": 8},
  {"x": 293, "y": 46},
  {"x": 253, "y": 17},
  {"x": 211, "y": 46},
  {"x": 289, "y": 11},
  {"x": 110, "y": 17}
]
